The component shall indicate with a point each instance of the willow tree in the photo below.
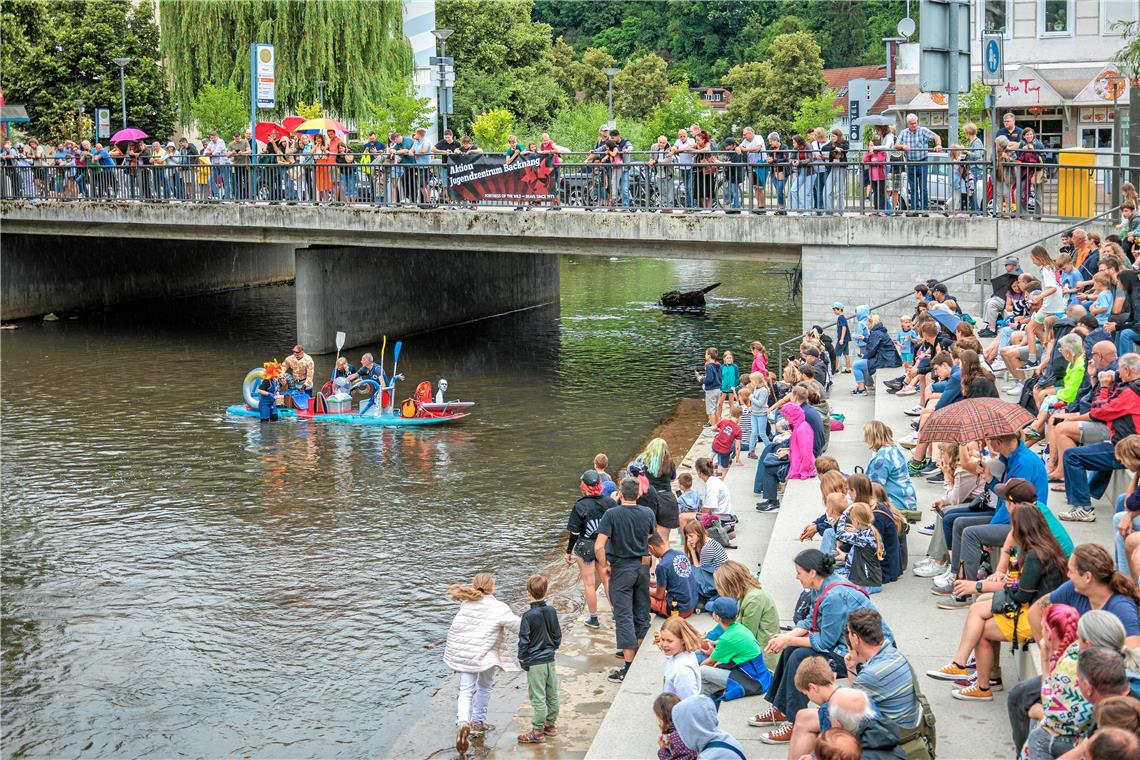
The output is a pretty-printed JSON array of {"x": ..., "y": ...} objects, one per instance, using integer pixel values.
[{"x": 356, "y": 46}]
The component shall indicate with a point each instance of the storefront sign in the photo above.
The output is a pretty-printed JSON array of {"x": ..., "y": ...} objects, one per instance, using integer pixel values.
[{"x": 1025, "y": 88}]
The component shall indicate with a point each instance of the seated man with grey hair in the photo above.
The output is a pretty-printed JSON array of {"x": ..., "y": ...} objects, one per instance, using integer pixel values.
[{"x": 851, "y": 708}]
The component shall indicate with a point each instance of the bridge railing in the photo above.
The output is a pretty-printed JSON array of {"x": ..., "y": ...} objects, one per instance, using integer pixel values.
[{"x": 713, "y": 182}]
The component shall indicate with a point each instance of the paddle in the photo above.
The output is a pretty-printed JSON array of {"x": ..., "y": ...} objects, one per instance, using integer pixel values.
[
  {"x": 383, "y": 347},
  {"x": 396, "y": 359},
  {"x": 339, "y": 346}
]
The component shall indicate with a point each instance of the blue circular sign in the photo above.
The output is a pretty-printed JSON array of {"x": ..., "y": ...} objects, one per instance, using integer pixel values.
[{"x": 992, "y": 57}]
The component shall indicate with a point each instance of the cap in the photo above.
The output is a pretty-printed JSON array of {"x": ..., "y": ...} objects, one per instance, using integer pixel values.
[
  {"x": 810, "y": 352},
  {"x": 1012, "y": 261},
  {"x": 1017, "y": 490},
  {"x": 724, "y": 607},
  {"x": 608, "y": 488},
  {"x": 591, "y": 477},
  {"x": 940, "y": 288},
  {"x": 637, "y": 468},
  {"x": 837, "y": 305}
]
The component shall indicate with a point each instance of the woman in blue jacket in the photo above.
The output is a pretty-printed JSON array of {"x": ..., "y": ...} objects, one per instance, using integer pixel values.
[{"x": 879, "y": 352}]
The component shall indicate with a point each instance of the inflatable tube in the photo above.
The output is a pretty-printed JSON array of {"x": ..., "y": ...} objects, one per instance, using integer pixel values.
[{"x": 249, "y": 386}]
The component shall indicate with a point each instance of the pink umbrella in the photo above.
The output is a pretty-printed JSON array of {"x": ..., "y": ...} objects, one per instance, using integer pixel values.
[
  {"x": 265, "y": 128},
  {"x": 292, "y": 122},
  {"x": 128, "y": 134}
]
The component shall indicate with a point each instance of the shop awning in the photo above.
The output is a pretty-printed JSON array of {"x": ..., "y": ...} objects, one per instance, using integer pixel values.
[
  {"x": 923, "y": 101},
  {"x": 1025, "y": 88},
  {"x": 13, "y": 114},
  {"x": 1101, "y": 89}
]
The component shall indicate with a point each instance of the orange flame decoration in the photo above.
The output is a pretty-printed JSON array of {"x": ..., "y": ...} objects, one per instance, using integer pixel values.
[{"x": 272, "y": 370}]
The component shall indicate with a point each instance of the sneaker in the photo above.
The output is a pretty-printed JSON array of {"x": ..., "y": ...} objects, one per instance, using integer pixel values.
[
  {"x": 927, "y": 530},
  {"x": 532, "y": 737},
  {"x": 618, "y": 676},
  {"x": 462, "y": 733},
  {"x": 933, "y": 570},
  {"x": 1079, "y": 514},
  {"x": 943, "y": 585},
  {"x": 1031, "y": 364},
  {"x": 973, "y": 694},
  {"x": 1014, "y": 390},
  {"x": 907, "y": 391},
  {"x": 955, "y": 602},
  {"x": 770, "y": 717},
  {"x": 951, "y": 672},
  {"x": 858, "y": 392},
  {"x": 910, "y": 442},
  {"x": 894, "y": 384},
  {"x": 965, "y": 683},
  {"x": 914, "y": 425},
  {"x": 767, "y": 506},
  {"x": 930, "y": 469},
  {"x": 998, "y": 365},
  {"x": 593, "y": 622},
  {"x": 915, "y": 412},
  {"x": 782, "y": 734},
  {"x": 986, "y": 332},
  {"x": 936, "y": 478},
  {"x": 915, "y": 466},
  {"x": 551, "y": 730}
]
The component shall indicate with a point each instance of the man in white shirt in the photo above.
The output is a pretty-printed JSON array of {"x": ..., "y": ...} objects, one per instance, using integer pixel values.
[
  {"x": 220, "y": 169},
  {"x": 752, "y": 147},
  {"x": 683, "y": 150}
]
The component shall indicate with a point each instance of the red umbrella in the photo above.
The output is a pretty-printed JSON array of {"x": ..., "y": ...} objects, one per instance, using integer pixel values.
[
  {"x": 264, "y": 128},
  {"x": 292, "y": 122},
  {"x": 974, "y": 419}
]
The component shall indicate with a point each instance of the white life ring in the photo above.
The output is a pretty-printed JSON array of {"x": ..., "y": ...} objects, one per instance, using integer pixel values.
[{"x": 250, "y": 384}]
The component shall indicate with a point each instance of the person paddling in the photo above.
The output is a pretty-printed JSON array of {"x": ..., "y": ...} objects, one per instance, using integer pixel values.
[{"x": 267, "y": 392}]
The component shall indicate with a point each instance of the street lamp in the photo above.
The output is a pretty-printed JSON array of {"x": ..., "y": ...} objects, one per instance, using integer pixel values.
[
  {"x": 321, "y": 94},
  {"x": 79, "y": 118},
  {"x": 1117, "y": 83},
  {"x": 441, "y": 87},
  {"x": 610, "y": 72},
  {"x": 122, "y": 64}
]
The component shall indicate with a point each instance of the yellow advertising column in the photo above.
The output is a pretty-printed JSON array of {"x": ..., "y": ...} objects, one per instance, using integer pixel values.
[{"x": 1076, "y": 186}]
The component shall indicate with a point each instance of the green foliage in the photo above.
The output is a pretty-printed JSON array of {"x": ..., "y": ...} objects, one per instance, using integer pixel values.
[
  {"x": 54, "y": 53},
  {"x": 566, "y": 68},
  {"x": 640, "y": 86},
  {"x": 592, "y": 79},
  {"x": 401, "y": 111},
  {"x": 1128, "y": 57},
  {"x": 766, "y": 95},
  {"x": 577, "y": 126},
  {"x": 819, "y": 111},
  {"x": 503, "y": 60},
  {"x": 308, "y": 110},
  {"x": 357, "y": 46},
  {"x": 680, "y": 108},
  {"x": 492, "y": 128},
  {"x": 972, "y": 107},
  {"x": 219, "y": 109}
]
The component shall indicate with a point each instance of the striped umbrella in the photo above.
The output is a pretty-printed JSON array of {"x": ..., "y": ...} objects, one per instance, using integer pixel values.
[
  {"x": 320, "y": 126},
  {"x": 974, "y": 419}
]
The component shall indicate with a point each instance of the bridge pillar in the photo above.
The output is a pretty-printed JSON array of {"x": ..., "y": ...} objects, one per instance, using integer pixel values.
[
  {"x": 368, "y": 292},
  {"x": 48, "y": 273}
]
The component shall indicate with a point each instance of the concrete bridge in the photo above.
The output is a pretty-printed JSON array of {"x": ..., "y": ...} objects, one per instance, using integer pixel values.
[{"x": 407, "y": 270}]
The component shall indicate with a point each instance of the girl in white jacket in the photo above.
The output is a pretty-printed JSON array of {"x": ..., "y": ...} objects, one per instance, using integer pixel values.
[{"x": 477, "y": 646}]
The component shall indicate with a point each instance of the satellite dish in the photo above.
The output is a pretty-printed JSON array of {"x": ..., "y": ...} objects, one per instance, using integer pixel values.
[{"x": 906, "y": 27}]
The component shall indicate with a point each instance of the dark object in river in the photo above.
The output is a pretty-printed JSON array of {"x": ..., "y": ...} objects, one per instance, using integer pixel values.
[{"x": 688, "y": 301}]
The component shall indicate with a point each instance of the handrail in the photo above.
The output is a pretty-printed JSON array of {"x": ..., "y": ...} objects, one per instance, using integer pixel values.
[{"x": 986, "y": 263}]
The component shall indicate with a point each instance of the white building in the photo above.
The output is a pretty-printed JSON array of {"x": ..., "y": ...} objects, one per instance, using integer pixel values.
[{"x": 1058, "y": 63}]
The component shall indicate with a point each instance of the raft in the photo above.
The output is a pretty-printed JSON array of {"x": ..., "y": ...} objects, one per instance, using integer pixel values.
[{"x": 350, "y": 418}]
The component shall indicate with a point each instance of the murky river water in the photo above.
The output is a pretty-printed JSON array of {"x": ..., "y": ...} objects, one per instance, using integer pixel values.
[{"x": 176, "y": 583}]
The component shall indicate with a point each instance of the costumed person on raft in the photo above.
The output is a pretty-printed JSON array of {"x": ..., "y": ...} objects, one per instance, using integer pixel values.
[
  {"x": 441, "y": 388},
  {"x": 267, "y": 392}
]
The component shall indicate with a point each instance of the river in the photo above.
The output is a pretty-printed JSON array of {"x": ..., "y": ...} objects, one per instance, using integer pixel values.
[{"x": 176, "y": 582}]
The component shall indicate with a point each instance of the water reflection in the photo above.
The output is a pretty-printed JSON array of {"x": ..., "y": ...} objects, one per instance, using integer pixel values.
[{"x": 179, "y": 582}]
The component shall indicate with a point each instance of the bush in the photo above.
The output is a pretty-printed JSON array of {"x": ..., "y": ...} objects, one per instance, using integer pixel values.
[
  {"x": 219, "y": 109},
  {"x": 492, "y": 128}
]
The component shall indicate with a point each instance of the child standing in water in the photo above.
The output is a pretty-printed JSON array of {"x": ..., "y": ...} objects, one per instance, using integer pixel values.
[
  {"x": 729, "y": 378},
  {"x": 476, "y": 649},
  {"x": 539, "y": 638}
]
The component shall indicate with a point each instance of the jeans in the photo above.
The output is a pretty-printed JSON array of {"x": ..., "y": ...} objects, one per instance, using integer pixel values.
[
  {"x": 974, "y": 537},
  {"x": 690, "y": 186},
  {"x": 835, "y": 190},
  {"x": 767, "y": 449},
  {"x": 714, "y": 680},
  {"x": 1119, "y": 517},
  {"x": 477, "y": 686},
  {"x": 626, "y": 198},
  {"x": 771, "y": 472},
  {"x": 225, "y": 174},
  {"x": 1126, "y": 341},
  {"x": 819, "y": 188},
  {"x": 542, "y": 688},
  {"x": 861, "y": 371},
  {"x": 629, "y": 598},
  {"x": 1097, "y": 458},
  {"x": 1020, "y": 698},
  {"x": 759, "y": 430},
  {"x": 1042, "y": 745},
  {"x": 782, "y": 693},
  {"x": 732, "y": 194},
  {"x": 778, "y": 186},
  {"x": 801, "y": 190},
  {"x": 957, "y": 541},
  {"x": 916, "y": 174},
  {"x": 827, "y": 541}
]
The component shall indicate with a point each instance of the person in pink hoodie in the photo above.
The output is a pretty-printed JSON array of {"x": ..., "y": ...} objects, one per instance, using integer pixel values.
[{"x": 801, "y": 459}]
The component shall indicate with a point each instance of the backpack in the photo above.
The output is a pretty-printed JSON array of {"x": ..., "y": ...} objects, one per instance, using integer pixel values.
[
  {"x": 823, "y": 593},
  {"x": 920, "y": 742}
]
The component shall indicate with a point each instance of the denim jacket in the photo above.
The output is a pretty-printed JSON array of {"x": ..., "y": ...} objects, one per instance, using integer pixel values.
[{"x": 838, "y": 603}]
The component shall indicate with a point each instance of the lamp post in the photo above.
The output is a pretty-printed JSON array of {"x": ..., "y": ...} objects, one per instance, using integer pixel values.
[
  {"x": 79, "y": 118},
  {"x": 441, "y": 87},
  {"x": 610, "y": 71},
  {"x": 321, "y": 94},
  {"x": 122, "y": 64},
  {"x": 1117, "y": 83}
]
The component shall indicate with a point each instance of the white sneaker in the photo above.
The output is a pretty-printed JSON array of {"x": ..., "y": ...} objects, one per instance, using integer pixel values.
[
  {"x": 997, "y": 365},
  {"x": 1015, "y": 390},
  {"x": 906, "y": 390},
  {"x": 934, "y": 570},
  {"x": 943, "y": 583},
  {"x": 927, "y": 530}
]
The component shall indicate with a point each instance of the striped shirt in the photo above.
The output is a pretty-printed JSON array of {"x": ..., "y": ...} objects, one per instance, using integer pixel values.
[
  {"x": 713, "y": 555},
  {"x": 916, "y": 142},
  {"x": 887, "y": 678}
]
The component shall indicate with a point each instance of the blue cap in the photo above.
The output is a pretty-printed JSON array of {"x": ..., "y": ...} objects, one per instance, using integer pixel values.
[
  {"x": 608, "y": 488},
  {"x": 723, "y": 607},
  {"x": 837, "y": 305}
]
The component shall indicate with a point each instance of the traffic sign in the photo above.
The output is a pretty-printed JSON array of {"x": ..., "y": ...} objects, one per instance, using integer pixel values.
[
  {"x": 265, "y": 79},
  {"x": 993, "y": 59},
  {"x": 102, "y": 123},
  {"x": 445, "y": 80},
  {"x": 944, "y": 41},
  {"x": 436, "y": 60}
]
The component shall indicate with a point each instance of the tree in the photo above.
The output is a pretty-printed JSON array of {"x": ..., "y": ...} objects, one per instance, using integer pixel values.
[
  {"x": 401, "y": 111},
  {"x": 219, "y": 109},
  {"x": 680, "y": 108},
  {"x": 746, "y": 81},
  {"x": 972, "y": 108},
  {"x": 308, "y": 110},
  {"x": 358, "y": 47},
  {"x": 766, "y": 95},
  {"x": 819, "y": 111},
  {"x": 640, "y": 86},
  {"x": 59, "y": 52},
  {"x": 594, "y": 81},
  {"x": 567, "y": 69},
  {"x": 503, "y": 60},
  {"x": 492, "y": 128}
]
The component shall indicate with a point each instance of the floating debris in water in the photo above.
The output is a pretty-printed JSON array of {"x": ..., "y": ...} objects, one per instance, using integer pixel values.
[{"x": 51, "y": 317}]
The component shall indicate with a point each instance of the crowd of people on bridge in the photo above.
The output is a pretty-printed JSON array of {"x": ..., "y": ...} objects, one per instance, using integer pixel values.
[{"x": 908, "y": 169}]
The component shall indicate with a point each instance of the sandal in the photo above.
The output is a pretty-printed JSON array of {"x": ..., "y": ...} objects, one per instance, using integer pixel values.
[
  {"x": 1060, "y": 488},
  {"x": 532, "y": 737}
]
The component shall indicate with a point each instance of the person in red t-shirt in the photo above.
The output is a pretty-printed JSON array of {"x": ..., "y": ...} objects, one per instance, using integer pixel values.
[{"x": 726, "y": 442}]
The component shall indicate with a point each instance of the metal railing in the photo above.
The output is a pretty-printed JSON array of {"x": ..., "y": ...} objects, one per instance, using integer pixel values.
[
  {"x": 946, "y": 278},
  {"x": 715, "y": 182}
]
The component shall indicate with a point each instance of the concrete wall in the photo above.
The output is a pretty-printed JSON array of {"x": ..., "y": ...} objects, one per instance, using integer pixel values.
[
  {"x": 370, "y": 292},
  {"x": 46, "y": 273}
]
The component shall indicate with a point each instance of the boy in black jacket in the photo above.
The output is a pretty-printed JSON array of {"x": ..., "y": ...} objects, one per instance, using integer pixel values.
[{"x": 539, "y": 637}]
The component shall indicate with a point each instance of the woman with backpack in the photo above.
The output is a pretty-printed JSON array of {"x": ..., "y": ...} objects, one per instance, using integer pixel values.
[
  {"x": 582, "y": 526},
  {"x": 710, "y": 384}
]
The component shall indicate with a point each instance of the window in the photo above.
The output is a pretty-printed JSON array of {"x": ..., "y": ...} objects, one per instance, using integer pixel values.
[
  {"x": 1096, "y": 138},
  {"x": 1055, "y": 18},
  {"x": 996, "y": 16},
  {"x": 1113, "y": 12}
]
